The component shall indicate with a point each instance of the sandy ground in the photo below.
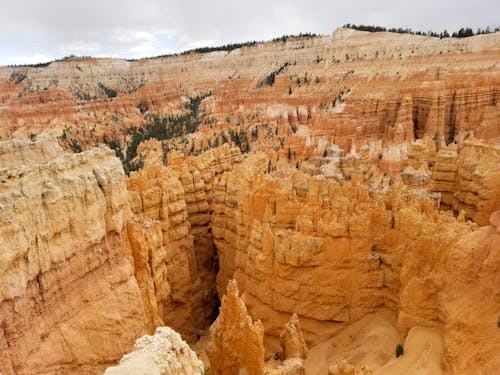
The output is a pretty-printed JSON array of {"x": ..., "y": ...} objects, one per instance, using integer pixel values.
[
  {"x": 372, "y": 342},
  {"x": 423, "y": 352}
]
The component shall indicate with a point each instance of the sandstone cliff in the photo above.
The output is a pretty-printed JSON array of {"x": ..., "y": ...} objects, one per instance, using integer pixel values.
[
  {"x": 69, "y": 302},
  {"x": 468, "y": 178},
  {"x": 171, "y": 240},
  {"x": 89, "y": 265}
]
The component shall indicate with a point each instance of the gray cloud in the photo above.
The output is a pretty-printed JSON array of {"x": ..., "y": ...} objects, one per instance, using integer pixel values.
[{"x": 32, "y": 31}]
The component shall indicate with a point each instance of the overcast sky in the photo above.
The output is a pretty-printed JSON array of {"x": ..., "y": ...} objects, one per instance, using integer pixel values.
[{"x": 40, "y": 30}]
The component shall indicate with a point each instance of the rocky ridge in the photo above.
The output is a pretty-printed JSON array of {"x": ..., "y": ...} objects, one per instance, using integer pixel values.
[{"x": 342, "y": 89}]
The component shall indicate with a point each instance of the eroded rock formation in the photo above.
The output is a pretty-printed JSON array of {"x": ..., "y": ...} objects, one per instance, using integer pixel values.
[
  {"x": 171, "y": 240},
  {"x": 335, "y": 252},
  {"x": 236, "y": 342},
  {"x": 339, "y": 89},
  {"x": 69, "y": 302},
  {"x": 83, "y": 253},
  {"x": 294, "y": 351},
  {"x": 164, "y": 353},
  {"x": 292, "y": 341},
  {"x": 467, "y": 177}
]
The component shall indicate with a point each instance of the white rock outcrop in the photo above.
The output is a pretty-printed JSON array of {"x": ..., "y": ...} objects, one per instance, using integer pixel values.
[{"x": 164, "y": 353}]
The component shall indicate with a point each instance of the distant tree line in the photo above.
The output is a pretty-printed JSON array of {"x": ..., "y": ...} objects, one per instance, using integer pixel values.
[
  {"x": 46, "y": 64},
  {"x": 285, "y": 38},
  {"x": 233, "y": 46},
  {"x": 464, "y": 32},
  {"x": 225, "y": 47}
]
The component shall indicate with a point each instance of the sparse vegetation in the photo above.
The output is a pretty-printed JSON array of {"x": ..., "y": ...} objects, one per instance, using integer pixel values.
[
  {"x": 240, "y": 139},
  {"x": 17, "y": 76},
  {"x": 270, "y": 78},
  {"x": 340, "y": 97},
  {"x": 225, "y": 47},
  {"x": 143, "y": 106},
  {"x": 232, "y": 46},
  {"x": 109, "y": 92},
  {"x": 285, "y": 38},
  {"x": 84, "y": 96},
  {"x": 46, "y": 64},
  {"x": 75, "y": 146},
  {"x": 399, "y": 350},
  {"x": 114, "y": 145}
]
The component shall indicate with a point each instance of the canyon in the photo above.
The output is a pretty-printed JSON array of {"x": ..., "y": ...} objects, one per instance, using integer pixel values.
[{"x": 301, "y": 206}]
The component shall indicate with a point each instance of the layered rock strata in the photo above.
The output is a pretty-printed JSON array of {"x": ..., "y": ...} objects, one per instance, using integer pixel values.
[
  {"x": 467, "y": 176},
  {"x": 69, "y": 302},
  {"x": 87, "y": 250},
  {"x": 290, "y": 99},
  {"x": 93, "y": 260},
  {"x": 171, "y": 240}
]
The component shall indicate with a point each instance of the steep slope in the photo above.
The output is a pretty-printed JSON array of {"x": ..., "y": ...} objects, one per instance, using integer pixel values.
[
  {"x": 69, "y": 302},
  {"x": 93, "y": 260}
]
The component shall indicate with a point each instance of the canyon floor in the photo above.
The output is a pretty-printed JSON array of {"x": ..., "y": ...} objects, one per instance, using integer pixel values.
[{"x": 318, "y": 205}]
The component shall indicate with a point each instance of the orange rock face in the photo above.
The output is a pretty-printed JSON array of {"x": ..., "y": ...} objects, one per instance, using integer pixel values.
[
  {"x": 467, "y": 177},
  {"x": 334, "y": 253},
  {"x": 292, "y": 341},
  {"x": 171, "y": 241},
  {"x": 69, "y": 302},
  {"x": 89, "y": 265},
  {"x": 466, "y": 276}
]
